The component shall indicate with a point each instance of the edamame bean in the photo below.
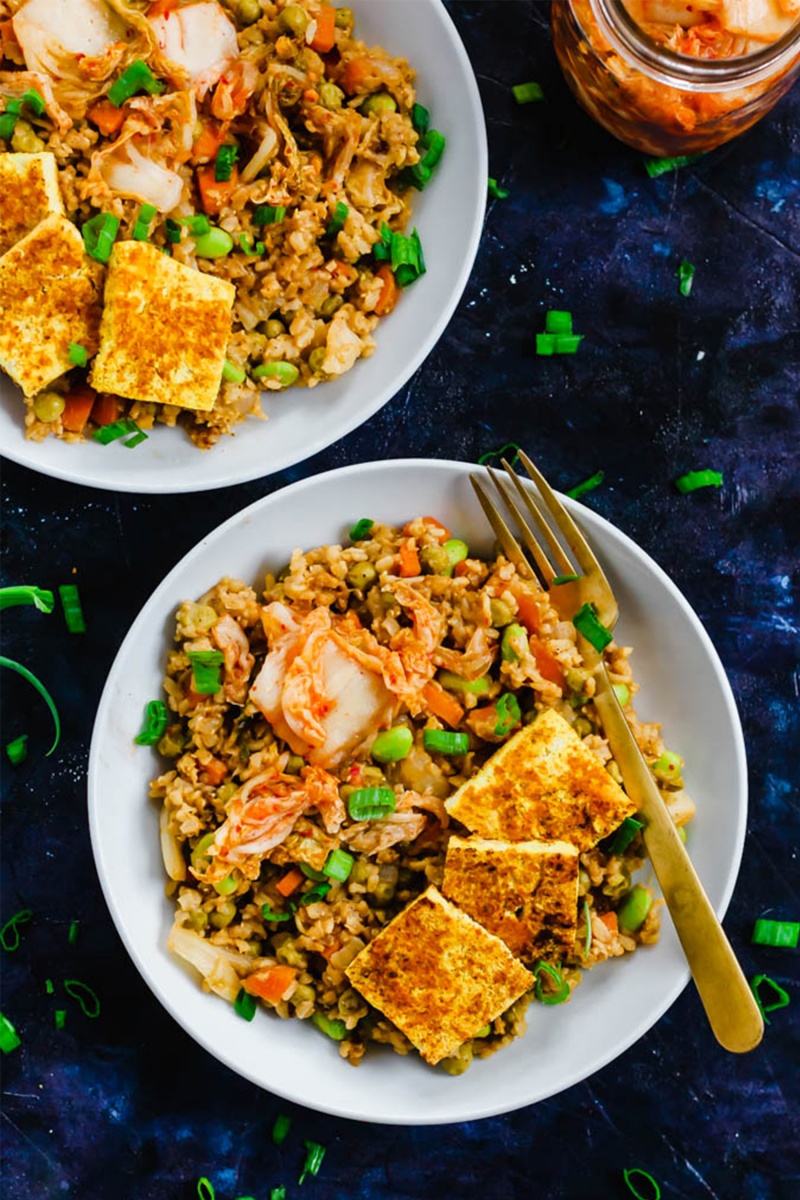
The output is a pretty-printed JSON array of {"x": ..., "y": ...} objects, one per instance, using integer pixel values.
[
  {"x": 249, "y": 11},
  {"x": 293, "y": 19},
  {"x": 285, "y": 373},
  {"x": 667, "y": 768},
  {"x": 361, "y": 575},
  {"x": 214, "y": 244},
  {"x": 330, "y": 96},
  {"x": 392, "y": 744},
  {"x": 456, "y": 551},
  {"x": 500, "y": 614},
  {"x": 199, "y": 859},
  {"x": 291, "y": 955},
  {"x": 514, "y": 643},
  {"x": 48, "y": 406},
  {"x": 378, "y": 104},
  {"x": 633, "y": 911}
]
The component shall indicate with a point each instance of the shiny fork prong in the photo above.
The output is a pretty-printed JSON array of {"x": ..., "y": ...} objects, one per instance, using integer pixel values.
[
  {"x": 563, "y": 566},
  {"x": 505, "y": 537},
  {"x": 569, "y": 530},
  {"x": 533, "y": 547}
]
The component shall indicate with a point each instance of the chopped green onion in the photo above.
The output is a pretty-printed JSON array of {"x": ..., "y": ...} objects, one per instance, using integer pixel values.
[
  {"x": 455, "y": 683},
  {"x": 391, "y": 745},
  {"x": 231, "y": 373},
  {"x": 318, "y": 892},
  {"x": 268, "y": 214},
  {"x": 587, "y": 916},
  {"x": 558, "y": 322},
  {"x": 9, "y": 934},
  {"x": 420, "y": 118},
  {"x": 246, "y": 243},
  {"x": 33, "y": 100},
  {"x": 330, "y": 1026},
  {"x": 98, "y": 235},
  {"x": 658, "y": 166},
  {"x": 8, "y": 121},
  {"x": 514, "y": 643},
  {"x": 132, "y": 442},
  {"x": 444, "y": 741},
  {"x": 562, "y": 992},
  {"x": 406, "y": 258},
  {"x": 245, "y": 1005},
  {"x": 495, "y": 191},
  {"x": 269, "y": 914},
  {"x": 281, "y": 1128},
  {"x": 360, "y": 529},
  {"x": 508, "y": 714},
  {"x": 49, "y": 986},
  {"x": 141, "y": 230},
  {"x": 314, "y": 1156},
  {"x": 17, "y": 750},
  {"x": 90, "y": 1005},
  {"x": 312, "y": 873},
  {"x": 431, "y": 148},
  {"x": 277, "y": 1193},
  {"x": 78, "y": 355},
  {"x": 632, "y": 913},
  {"x": 484, "y": 458},
  {"x": 685, "y": 273},
  {"x": 136, "y": 78},
  {"x": 622, "y": 692},
  {"x": 782, "y": 1000},
  {"x": 526, "y": 93},
  {"x": 545, "y": 344},
  {"x": 692, "y": 480},
  {"x": 338, "y": 865},
  {"x": 206, "y": 666},
  {"x": 567, "y": 343},
  {"x": 155, "y": 723},
  {"x": 72, "y": 936},
  {"x": 559, "y": 579},
  {"x": 338, "y": 219},
  {"x": 173, "y": 231},
  {"x": 205, "y": 1189},
  {"x": 60, "y": 1017},
  {"x": 27, "y": 594},
  {"x": 370, "y": 804},
  {"x": 654, "y": 1191},
  {"x": 43, "y": 692},
  {"x": 623, "y": 837},
  {"x": 198, "y": 225},
  {"x": 71, "y": 604},
  {"x": 9, "y": 1038},
  {"x": 382, "y": 250},
  {"x": 223, "y": 164},
  {"x": 773, "y": 933},
  {"x": 117, "y": 429},
  {"x": 587, "y": 622}
]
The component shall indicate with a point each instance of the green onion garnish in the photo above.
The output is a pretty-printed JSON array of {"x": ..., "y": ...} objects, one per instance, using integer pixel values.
[
  {"x": 508, "y": 714},
  {"x": 8, "y": 120},
  {"x": 17, "y": 750},
  {"x": 370, "y": 804},
  {"x": 338, "y": 219},
  {"x": 60, "y": 1017},
  {"x": 495, "y": 191},
  {"x": 252, "y": 250},
  {"x": 33, "y": 100},
  {"x": 545, "y": 344},
  {"x": 268, "y": 214},
  {"x": 223, "y": 164},
  {"x": 141, "y": 230},
  {"x": 558, "y": 321},
  {"x": 567, "y": 343},
  {"x": 526, "y": 93},
  {"x": 770, "y": 933},
  {"x": 782, "y": 1000},
  {"x": 281, "y": 1128},
  {"x": 136, "y": 78},
  {"x": 206, "y": 666},
  {"x": 43, "y": 692},
  {"x": 117, "y": 429},
  {"x": 445, "y": 741},
  {"x": 314, "y": 1156},
  {"x": 27, "y": 594},
  {"x": 78, "y": 355},
  {"x": 431, "y": 147},
  {"x": 685, "y": 273},
  {"x": 587, "y": 622},
  {"x": 587, "y": 937},
  {"x": 420, "y": 118},
  {"x": 559, "y": 579},
  {"x": 654, "y": 1191},
  {"x": 692, "y": 480},
  {"x": 339, "y": 864},
  {"x": 205, "y": 1189},
  {"x": 557, "y": 997},
  {"x": 155, "y": 722},
  {"x": 98, "y": 235},
  {"x": 9, "y": 934},
  {"x": 132, "y": 442},
  {"x": 90, "y": 1005},
  {"x": 49, "y": 987},
  {"x": 406, "y": 258},
  {"x": 332, "y": 1027},
  {"x": 312, "y": 873},
  {"x": 318, "y": 892},
  {"x": 382, "y": 250},
  {"x": 360, "y": 529},
  {"x": 197, "y": 225},
  {"x": 9, "y": 1038},
  {"x": 245, "y": 1005},
  {"x": 588, "y": 485},
  {"x": 484, "y": 458},
  {"x": 72, "y": 936},
  {"x": 658, "y": 166},
  {"x": 269, "y": 914},
  {"x": 277, "y": 1193},
  {"x": 230, "y": 372},
  {"x": 71, "y": 604},
  {"x": 625, "y": 835},
  {"x": 173, "y": 230}
]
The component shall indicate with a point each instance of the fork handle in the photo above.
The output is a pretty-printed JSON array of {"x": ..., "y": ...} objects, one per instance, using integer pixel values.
[{"x": 725, "y": 994}]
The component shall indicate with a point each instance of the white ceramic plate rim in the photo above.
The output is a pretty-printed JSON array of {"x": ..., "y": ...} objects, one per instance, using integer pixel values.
[{"x": 159, "y": 608}]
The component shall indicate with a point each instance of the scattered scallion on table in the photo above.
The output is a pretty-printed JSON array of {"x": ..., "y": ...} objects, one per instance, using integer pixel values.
[
  {"x": 9, "y": 1038},
  {"x": 43, "y": 692},
  {"x": 659, "y": 166},
  {"x": 9, "y": 934},
  {"x": 10, "y": 597},
  {"x": 685, "y": 275},
  {"x": 60, "y": 1018},
  {"x": 588, "y": 485},
  {"x": 205, "y": 1188},
  {"x": 86, "y": 997},
  {"x": 495, "y": 191},
  {"x": 277, "y": 1193},
  {"x": 501, "y": 453},
  {"x": 782, "y": 998},
  {"x": 281, "y": 1129},
  {"x": 17, "y": 749},
  {"x": 653, "y": 1190},
  {"x": 72, "y": 936},
  {"x": 692, "y": 481},
  {"x": 587, "y": 622},
  {"x": 558, "y": 336},
  {"x": 314, "y": 1156},
  {"x": 784, "y": 934},
  {"x": 527, "y": 93},
  {"x": 72, "y": 608}
]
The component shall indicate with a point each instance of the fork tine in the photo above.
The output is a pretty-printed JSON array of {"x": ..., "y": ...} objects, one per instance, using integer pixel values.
[
  {"x": 572, "y": 535},
  {"x": 503, "y": 533},
  {"x": 565, "y": 567},
  {"x": 534, "y": 548}
]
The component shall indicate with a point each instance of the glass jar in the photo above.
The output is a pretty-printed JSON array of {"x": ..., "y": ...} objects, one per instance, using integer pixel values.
[{"x": 668, "y": 101}]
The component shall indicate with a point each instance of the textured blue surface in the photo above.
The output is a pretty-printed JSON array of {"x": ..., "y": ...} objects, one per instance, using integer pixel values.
[{"x": 127, "y": 1105}]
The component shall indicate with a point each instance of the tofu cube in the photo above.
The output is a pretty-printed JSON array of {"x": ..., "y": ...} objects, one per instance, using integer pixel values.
[
  {"x": 50, "y": 295},
  {"x": 438, "y": 975},
  {"x": 525, "y": 893},
  {"x": 543, "y": 784},
  {"x": 165, "y": 330},
  {"x": 30, "y": 192}
]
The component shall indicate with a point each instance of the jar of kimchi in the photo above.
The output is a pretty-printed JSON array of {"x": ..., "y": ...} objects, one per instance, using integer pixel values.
[{"x": 677, "y": 77}]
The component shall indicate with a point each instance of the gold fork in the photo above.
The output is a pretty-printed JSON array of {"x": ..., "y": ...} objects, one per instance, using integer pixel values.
[{"x": 725, "y": 994}]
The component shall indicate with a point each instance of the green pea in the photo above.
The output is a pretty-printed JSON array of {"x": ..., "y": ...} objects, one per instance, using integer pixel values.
[
  {"x": 330, "y": 96},
  {"x": 249, "y": 11},
  {"x": 667, "y": 768},
  {"x": 623, "y": 693},
  {"x": 392, "y": 744},
  {"x": 274, "y": 328},
  {"x": 378, "y": 104},
  {"x": 293, "y": 19},
  {"x": 361, "y": 575},
  {"x": 302, "y": 994},
  {"x": 48, "y": 406},
  {"x": 291, "y": 956},
  {"x": 214, "y": 244},
  {"x": 223, "y": 914},
  {"x": 199, "y": 859},
  {"x": 455, "y": 683},
  {"x": 316, "y": 359},
  {"x": 345, "y": 18},
  {"x": 456, "y": 551},
  {"x": 285, "y": 373},
  {"x": 225, "y": 886},
  {"x": 514, "y": 643},
  {"x": 295, "y": 764},
  {"x": 226, "y": 791},
  {"x": 633, "y": 911},
  {"x": 582, "y": 727},
  {"x": 435, "y": 560},
  {"x": 330, "y": 305},
  {"x": 24, "y": 140},
  {"x": 500, "y": 614}
]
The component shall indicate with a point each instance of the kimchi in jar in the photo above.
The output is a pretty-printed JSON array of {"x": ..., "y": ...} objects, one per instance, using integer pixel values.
[{"x": 677, "y": 77}]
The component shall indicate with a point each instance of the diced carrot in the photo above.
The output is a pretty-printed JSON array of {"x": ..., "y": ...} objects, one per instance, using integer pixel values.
[
  {"x": 409, "y": 559},
  {"x": 107, "y": 117},
  {"x": 105, "y": 409},
  {"x": 214, "y": 195},
  {"x": 442, "y": 704},
  {"x": 290, "y": 882},
  {"x": 212, "y": 135},
  {"x": 311, "y": 95},
  {"x": 269, "y": 983},
  {"x": 78, "y": 404},
  {"x": 325, "y": 36},
  {"x": 609, "y": 919},
  {"x": 390, "y": 292},
  {"x": 527, "y": 611},
  {"x": 328, "y": 952},
  {"x": 462, "y": 567},
  {"x": 214, "y": 772},
  {"x": 547, "y": 664},
  {"x": 357, "y": 75}
]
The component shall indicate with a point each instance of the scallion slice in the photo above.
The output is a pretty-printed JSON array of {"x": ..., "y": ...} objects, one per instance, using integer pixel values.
[
  {"x": 206, "y": 665},
  {"x": 72, "y": 936},
  {"x": 251, "y": 249},
  {"x": 336, "y": 223},
  {"x": 78, "y": 355},
  {"x": 9, "y": 934},
  {"x": 43, "y": 692},
  {"x": 557, "y": 321},
  {"x": 245, "y": 1005},
  {"x": 559, "y": 579},
  {"x": 136, "y": 78},
  {"x": 60, "y": 1017},
  {"x": 370, "y": 804},
  {"x": 567, "y": 343},
  {"x": 27, "y": 594},
  {"x": 659, "y": 166},
  {"x": 784, "y": 934},
  {"x": 17, "y": 750},
  {"x": 545, "y": 344},
  {"x": 269, "y": 914},
  {"x": 281, "y": 1128},
  {"x": 86, "y": 997},
  {"x": 268, "y": 214},
  {"x": 588, "y": 485},
  {"x": 685, "y": 275},
  {"x": 155, "y": 723},
  {"x": 653, "y": 1190},
  {"x": 71, "y": 605},
  {"x": 277, "y": 1193},
  {"x": 445, "y": 741},
  {"x": 223, "y": 164},
  {"x": 495, "y": 191},
  {"x": 173, "y": 231},
  {"x": 32, "y": 98},
  {"x": 587, "y": 937},
  {"x": 98, "y": 235},
  {"x": 338, "y": 865},
  {"x": 117, "y": 429},
  {"x": 621, "y": 840},
  {"x": 141, "y": 230},
  {"x": 314, "y": 1156},
  {"x": 587, "y": 622},
  {"x": 693, "y": 480},
  {"x": 332, "y": 1027},
  {"x": 9, "y": 1038},
  {"x": 318, "y": 892},
  {"x": 205, "y": 1189},
  {"x": 360, "y": 529},
  {"x": 420, "y": 118},
  {"x": 501, "y": 453},
  {"x": 8, "y": 121},
  {"x": 527, "y": 93},
  {"x": 508, "y": 714},
  {"x": 562, "y": 987},
  {"x": 132, "y": 442}
]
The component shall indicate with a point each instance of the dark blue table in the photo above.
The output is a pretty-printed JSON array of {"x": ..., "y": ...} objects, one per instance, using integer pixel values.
[{"x": 126, "y": 1106}]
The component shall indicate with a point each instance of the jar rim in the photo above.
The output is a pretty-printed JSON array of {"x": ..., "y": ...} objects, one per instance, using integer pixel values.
[{"x": 681, "y": 70}]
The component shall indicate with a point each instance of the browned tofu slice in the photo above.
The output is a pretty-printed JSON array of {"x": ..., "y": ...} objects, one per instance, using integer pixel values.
[
  {"x": 523, "y": 892},
  {"x": 50, "y": 295},
  {"x": 438, "y": 975},
  {"x": 543, "y": 784},
  {"x": 30, "y": 192},
  {"x": 165, "y": 329}
]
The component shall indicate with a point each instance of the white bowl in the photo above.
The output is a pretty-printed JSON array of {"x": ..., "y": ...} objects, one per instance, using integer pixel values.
[
  {"x": 301, "y": 422},
  {"x": 683, "y": 685}
]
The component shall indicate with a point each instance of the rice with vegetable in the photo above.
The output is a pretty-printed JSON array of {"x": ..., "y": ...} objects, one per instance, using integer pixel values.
[
  {"x": 334, "y": 735},
  {"x": 221, "y": 190}
]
